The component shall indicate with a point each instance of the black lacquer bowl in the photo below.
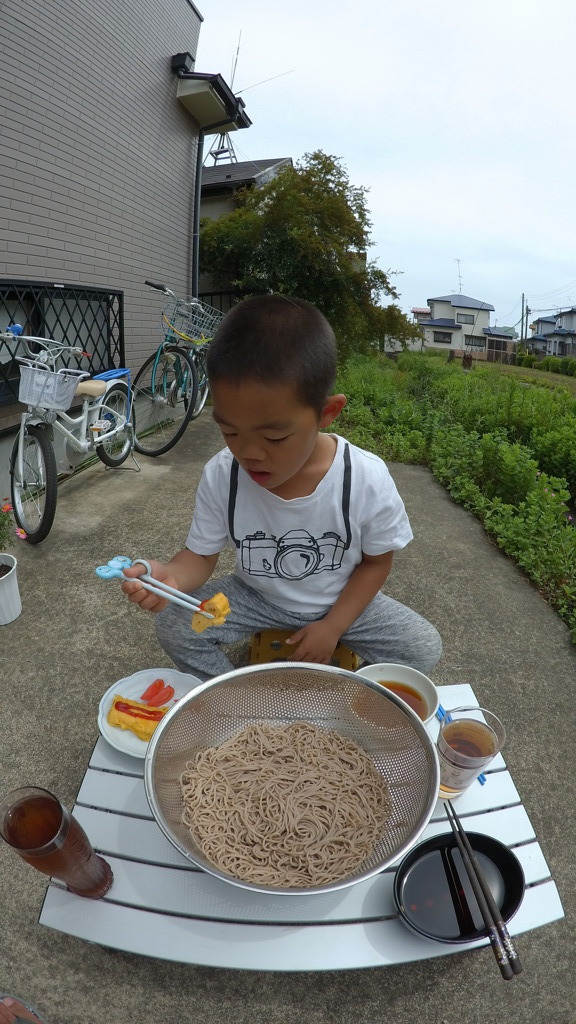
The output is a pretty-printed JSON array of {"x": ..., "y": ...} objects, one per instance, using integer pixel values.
[{"x": 433, "y": 893}]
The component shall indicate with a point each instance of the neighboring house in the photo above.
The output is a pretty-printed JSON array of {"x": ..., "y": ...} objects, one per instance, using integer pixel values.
[
  {"x": 103, "y": 120},
  {"x": 554, "y": 335},
  {"x": 220, "y": 183},
  {"x": 461, "y": 324}
]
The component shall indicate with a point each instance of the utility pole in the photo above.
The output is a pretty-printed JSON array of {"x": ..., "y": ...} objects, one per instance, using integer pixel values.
[
  {"x": 522, "y": 320},
  {"x": 528, "y": 311}
]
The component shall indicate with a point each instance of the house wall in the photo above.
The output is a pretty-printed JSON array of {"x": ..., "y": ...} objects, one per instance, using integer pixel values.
[
  {"x": 217, "y": 206},
  {"x": 97, "y": 157},
  {"x": 567, "y": 320},
  {"x": 543, "y": 326}
]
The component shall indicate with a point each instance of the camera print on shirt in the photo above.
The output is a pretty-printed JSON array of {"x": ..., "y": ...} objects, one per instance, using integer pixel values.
[
  {"x": 297, "y": 554},
  {"x": 292, "y": 557}
]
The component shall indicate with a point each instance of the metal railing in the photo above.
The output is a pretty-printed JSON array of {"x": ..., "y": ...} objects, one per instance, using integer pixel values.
[
  {"x": 72, "y": 314},
  {"x": 221, "y": 300}
]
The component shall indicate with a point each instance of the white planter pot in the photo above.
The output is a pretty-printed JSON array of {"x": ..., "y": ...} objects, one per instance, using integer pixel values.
[{"x": 10, "y": 603}]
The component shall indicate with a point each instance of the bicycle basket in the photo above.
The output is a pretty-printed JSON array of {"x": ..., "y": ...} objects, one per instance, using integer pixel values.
[
  {"x": 47, "y": 389},
  {"x": 193, "y": 321}
]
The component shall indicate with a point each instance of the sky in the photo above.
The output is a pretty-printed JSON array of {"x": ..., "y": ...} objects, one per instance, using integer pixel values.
[{"x": 457, "y": 116}]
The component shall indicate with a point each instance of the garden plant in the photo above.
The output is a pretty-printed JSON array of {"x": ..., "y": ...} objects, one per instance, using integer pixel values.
[{"x": 503, "y": 448}]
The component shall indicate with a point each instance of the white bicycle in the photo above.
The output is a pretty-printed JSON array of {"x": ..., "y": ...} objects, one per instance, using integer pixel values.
[{"x": 103, "y": 425}]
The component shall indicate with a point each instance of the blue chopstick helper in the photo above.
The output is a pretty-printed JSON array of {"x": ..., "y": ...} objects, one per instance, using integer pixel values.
[{"x": 442, "y": 714}]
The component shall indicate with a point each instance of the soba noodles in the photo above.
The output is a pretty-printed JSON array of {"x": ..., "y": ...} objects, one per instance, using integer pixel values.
[{"x": 290, "y": 806}]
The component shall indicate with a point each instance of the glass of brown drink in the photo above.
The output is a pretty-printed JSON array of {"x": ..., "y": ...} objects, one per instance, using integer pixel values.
[
  {"x": 468, "y": 740},
  {"x": 44, "y": 834}
]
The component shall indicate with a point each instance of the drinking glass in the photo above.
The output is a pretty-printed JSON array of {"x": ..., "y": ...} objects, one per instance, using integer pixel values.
[
  {"x": 469, "y": 738},
  {"x": 44, "y": 834}
]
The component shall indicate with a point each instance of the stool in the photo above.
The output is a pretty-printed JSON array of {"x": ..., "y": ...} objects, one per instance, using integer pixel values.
[{"x": 269, "y": 645}]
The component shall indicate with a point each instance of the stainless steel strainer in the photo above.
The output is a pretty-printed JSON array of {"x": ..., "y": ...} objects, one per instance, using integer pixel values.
[{"x": 331, "y": 698}]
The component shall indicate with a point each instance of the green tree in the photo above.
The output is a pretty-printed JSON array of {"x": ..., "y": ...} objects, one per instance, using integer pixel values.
[{"x": 306, "y": 233}]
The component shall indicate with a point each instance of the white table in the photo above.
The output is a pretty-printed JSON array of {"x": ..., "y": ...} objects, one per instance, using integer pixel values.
[{"x": 162, "y": 906}]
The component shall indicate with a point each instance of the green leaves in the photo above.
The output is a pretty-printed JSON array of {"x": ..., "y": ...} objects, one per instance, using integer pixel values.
[{"x": 490, "y": 442}]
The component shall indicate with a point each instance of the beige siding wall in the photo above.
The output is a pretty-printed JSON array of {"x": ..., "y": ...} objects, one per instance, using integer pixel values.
[{"x": 97, "y": 157}]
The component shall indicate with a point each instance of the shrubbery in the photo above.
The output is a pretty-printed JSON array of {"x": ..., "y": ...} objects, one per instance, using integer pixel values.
[{"x": 503, "y": 449}]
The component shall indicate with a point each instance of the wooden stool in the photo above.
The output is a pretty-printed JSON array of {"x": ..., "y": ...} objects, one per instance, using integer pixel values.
[{"x": 269, "y": 645}]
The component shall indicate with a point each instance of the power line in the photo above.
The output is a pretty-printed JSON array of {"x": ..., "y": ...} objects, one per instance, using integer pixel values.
[{"x": 555, "y": 291}]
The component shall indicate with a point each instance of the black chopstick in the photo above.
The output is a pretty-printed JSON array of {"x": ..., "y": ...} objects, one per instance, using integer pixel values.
[{"x": 502, "y": 946}]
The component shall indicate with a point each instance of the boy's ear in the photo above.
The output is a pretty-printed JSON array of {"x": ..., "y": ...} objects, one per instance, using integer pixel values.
[{"x": 331, "y": 409}]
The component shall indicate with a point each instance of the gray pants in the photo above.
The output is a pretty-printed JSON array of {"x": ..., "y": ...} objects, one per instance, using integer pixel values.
[{"x": 386, "y": 630}]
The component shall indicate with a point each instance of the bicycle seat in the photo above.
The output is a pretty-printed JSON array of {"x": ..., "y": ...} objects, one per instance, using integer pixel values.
[{"x": 93, "y": 388}]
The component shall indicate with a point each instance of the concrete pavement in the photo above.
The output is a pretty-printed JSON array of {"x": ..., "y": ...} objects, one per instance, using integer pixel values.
[{"x": 76, "y": 635}]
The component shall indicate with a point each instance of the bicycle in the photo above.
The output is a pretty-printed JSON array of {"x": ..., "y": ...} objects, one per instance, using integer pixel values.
[
  {"x": 104, "y": 425},
  {"x": 171, "y": 387}
]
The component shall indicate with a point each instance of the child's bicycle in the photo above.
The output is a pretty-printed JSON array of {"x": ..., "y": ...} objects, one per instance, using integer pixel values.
[
  {"x": 171, "y": 388},
  {"x": 104, "y": 425}
]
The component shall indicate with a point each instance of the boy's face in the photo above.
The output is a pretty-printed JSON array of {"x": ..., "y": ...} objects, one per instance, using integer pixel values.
[{"x": 273, "y": 436}]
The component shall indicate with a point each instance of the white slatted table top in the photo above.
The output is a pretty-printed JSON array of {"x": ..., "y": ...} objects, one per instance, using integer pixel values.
[{"x": 160, "y": 905}]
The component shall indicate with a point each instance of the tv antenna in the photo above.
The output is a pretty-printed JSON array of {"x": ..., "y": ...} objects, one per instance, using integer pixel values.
[
  {"x": 222, "y": 149},
  {"x": 459, "y": 276}
]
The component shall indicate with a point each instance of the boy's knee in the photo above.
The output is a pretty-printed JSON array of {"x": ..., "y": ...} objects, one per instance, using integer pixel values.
[{"x": 427, "y": 649}]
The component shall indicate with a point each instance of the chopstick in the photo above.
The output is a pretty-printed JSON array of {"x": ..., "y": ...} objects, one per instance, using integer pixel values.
[
  {"x": 115, "y": 570},
  {"x": 502, "y": 946},
  {"x": 440, "y": 715},
  {"x": 169, "y": 593}
]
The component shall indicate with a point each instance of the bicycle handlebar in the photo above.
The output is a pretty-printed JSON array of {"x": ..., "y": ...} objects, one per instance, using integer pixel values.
[
  {"x": 159, "y": 287},
  {"x": 50, "y": 350}
]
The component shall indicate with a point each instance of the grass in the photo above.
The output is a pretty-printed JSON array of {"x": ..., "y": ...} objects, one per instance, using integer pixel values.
[{"x": 540, "y": 378}]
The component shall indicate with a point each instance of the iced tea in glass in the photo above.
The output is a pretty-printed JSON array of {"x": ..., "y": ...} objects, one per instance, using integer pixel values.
[
  {"x": 44, "y": 834},
  {"x": 468, "y": 740}
]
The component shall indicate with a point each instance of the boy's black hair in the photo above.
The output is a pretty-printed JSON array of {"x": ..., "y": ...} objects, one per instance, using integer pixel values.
[{"x": 276, "y": 339}]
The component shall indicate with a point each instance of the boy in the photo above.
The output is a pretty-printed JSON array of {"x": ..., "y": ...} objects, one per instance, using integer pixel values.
[{"x": 314, "y": 519}]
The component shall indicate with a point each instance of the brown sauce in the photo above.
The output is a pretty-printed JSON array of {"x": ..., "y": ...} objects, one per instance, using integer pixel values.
[{"x": 409, "y": 695}]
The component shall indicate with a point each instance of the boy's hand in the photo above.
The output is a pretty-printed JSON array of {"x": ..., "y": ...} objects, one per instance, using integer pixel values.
[
  {"x": 315, "y": 642},
  {"x": 142, "y": 597}
]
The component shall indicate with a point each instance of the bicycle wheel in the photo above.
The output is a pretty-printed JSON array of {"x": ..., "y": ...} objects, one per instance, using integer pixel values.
[
  {"x": 164, "y": 396},
  {"x": 34, "y": 496},
  {"x": 203, "y": 386},
  {"x": 115, "y": 406}
]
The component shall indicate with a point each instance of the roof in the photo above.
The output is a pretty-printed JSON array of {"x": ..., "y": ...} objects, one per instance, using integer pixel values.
[
  {"x": 496, "y": 332},
  {"x": 211, "y": 102},
  {"x": 441, "y": 322},
  {"x": 546, "y": 319},
  {"x": 558, "y": 333},
  {"x": 462, "y": 301},
  {"x": 420, "y": 309},
  {"x": 246, "y": 172}
]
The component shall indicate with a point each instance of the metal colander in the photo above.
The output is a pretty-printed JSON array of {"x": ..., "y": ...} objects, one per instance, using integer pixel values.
[{"x": 331, "y": 698}]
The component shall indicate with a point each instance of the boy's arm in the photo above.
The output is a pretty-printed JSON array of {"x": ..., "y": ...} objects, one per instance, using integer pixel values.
[
  {"x": 316, "y": 641},
  {"x": 186, "y": 571}
]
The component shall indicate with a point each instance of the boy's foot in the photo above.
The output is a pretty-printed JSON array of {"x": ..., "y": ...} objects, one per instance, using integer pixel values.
[{"x": 12, "y": 1011}]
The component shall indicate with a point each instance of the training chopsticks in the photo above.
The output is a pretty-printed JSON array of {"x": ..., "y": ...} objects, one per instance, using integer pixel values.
[
  {"x": 502, "y": 946},
  {"x": 115, "y": 570}
]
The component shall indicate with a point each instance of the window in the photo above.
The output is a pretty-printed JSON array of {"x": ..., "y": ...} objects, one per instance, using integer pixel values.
[
  {"x": 473, "y": 342},
  {"x": 443, "y": 336},
  {"x": 464, "y": 318}
]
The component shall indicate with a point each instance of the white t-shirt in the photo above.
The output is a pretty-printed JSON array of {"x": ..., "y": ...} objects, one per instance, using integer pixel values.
[{"x": 300, "y": 552}]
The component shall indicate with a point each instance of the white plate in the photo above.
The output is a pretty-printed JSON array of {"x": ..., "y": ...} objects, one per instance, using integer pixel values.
[{"x": 133, "y": 687}]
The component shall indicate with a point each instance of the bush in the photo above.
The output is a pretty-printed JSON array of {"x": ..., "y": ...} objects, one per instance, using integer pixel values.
[
  {"x": 571, "y": 371},
  {"x": 528, "y": 361}
]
